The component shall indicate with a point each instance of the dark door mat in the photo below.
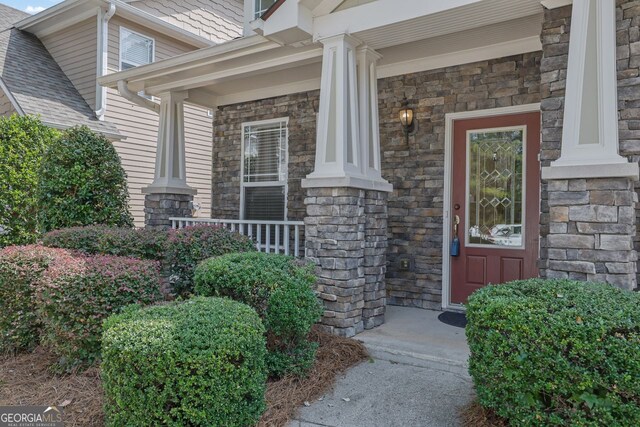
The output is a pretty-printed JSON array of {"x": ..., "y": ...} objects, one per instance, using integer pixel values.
[{"x": 459, "y": 320}]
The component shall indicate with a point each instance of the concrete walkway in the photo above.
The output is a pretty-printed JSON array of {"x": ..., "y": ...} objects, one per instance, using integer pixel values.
[{"x": 417, "y": 377}]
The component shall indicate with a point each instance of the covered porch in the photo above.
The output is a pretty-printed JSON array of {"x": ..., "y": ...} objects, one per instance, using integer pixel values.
[{"x": 370, "y": 201}]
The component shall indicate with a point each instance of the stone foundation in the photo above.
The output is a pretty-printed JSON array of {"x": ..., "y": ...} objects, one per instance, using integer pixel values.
[
  {"x": 591, "y": 231},
  {"x": 158, "y": 208},
  {"x": 346, "y": 239}
]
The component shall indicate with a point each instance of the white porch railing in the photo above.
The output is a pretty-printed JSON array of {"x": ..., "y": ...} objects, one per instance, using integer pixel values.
[{"x": 283, "y": 237}]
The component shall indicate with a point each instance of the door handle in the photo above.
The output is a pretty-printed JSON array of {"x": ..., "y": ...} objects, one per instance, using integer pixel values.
[{"x": 456, "y": 222}]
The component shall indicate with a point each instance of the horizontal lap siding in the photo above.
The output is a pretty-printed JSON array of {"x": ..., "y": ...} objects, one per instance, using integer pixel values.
[
  {"x": 6, "y": 108},
  {"x": 140, "y": 126},
  {"x": 74, "y": 49}
]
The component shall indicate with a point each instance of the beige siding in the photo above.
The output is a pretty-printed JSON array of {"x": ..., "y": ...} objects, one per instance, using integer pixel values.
[
  {"x": 140, "y": 126},
  {"x": 352, "y": 3},
  {"x": 75, "y": 50},
  {"x": 216, "y": 20},
  {"x": 6, "y": 108}
]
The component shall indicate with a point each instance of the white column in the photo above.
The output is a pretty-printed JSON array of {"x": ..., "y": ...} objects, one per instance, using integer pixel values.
[
  {"x": 170, "y": 172},
  {"x": 369, "y": 113},
  {"x": 590, "y": 130},
  {"x": 346, "y": 132}
]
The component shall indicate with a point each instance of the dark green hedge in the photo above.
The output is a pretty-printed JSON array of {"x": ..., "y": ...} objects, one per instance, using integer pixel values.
[
  {"x": 197, "y": 363},
  {"x": 82, "y": 182},
  {"x": 280, "y": 290},
  {"x": 548, "y": 353},
  {"x": 23, "y": 141}
]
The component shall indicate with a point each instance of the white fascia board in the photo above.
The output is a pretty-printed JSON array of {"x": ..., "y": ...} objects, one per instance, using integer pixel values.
[
  {"x": 46, "y": 14},
  {"x": 186, "y": 61},
  {"x": 272, "y": 64},
  {"x": 554, "y": 4},
  {"x": 379, "y": 14}
]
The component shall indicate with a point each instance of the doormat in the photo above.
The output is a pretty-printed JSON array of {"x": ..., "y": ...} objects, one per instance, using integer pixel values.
[{"x": 459, "y": 320}]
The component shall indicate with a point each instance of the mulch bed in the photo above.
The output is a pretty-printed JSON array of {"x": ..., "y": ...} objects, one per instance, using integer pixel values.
[
  {"x": 475, "y": 415},
  {"x": 26, "y": 380}
]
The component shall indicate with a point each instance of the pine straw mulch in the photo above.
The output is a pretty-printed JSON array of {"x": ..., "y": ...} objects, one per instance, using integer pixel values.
[
  {"x": 26, "y": 380},
  {"x": 474, "y": 415}
]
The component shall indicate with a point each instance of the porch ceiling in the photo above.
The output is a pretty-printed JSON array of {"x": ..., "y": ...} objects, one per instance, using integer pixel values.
[{"x": 255, "y": 68}]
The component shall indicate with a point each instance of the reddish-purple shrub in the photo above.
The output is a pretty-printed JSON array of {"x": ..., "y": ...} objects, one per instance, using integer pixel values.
[
  {"x": 76, "y": 297},
  {"x": 21, "y": 271}
]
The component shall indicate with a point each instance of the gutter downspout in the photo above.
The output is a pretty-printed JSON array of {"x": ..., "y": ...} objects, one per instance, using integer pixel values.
[
  {"x": 137, "y": 99},
  {"x": 103, "y": 58}
]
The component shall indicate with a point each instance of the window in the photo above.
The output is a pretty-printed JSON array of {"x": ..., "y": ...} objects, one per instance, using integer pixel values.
[
  {"x": 261, "y": 6},
  {"x": 264, "y": 170},
  {"x": 135, "y": 50}
]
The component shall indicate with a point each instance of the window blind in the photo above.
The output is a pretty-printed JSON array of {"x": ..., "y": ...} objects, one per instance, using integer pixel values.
[
  {"x": 135, "y": 49},
  {"x": 265, "y": 171}
]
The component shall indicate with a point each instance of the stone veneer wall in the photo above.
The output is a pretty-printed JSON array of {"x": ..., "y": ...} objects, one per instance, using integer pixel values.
[
  {"x": 416, "y": 169},
  {"x": 588, "y": 226}
]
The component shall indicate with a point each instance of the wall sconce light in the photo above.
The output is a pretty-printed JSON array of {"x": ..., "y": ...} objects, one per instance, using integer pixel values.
[{"x": 407, "y": 119}]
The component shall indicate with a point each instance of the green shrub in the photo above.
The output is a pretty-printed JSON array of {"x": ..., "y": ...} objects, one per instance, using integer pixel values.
[
  {"x": 23, "y": 141},
  {"x": 548, "y": 353},
  {"x": 21, "y": 272},
  {"x": 99, "y": 239},
  {"x": 280, "y": 290},
  {"x": 189, "y": 246},
  {"x": 78, "y": 294},
  {"x": 197, "y": 363},
  {"x": 82, "y": 183}
]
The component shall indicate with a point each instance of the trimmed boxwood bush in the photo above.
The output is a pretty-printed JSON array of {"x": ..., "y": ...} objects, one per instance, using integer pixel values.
[
  {"x": 197, "y": 363},
  {"x": 21, "y": 272},
  {"x": 548, "y": 353},
  {"x": 280, "y": 290},
  {"x": 76, "y": 296},
  {"x": 23, "y": 140},
  {"x": 188, "y": 246},
  {"x": 82, "y": 182},
  {"x": 100, "y": 239}
]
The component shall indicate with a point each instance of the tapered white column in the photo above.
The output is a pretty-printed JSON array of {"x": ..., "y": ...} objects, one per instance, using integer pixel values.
[
  {"x": 170, "y": 172},
  {"x": 369, "y": 115},
  {"x": 590, "y": 130},
  {"x": 345, "y": 129}
]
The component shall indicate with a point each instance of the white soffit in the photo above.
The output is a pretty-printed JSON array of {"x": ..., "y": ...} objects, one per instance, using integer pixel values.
[
  {"x": 480, "y": 14},
  {"x": 470, "y": 46}
]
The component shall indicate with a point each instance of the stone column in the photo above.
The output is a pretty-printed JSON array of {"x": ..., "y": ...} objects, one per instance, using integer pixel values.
[
  {"x": 345, "y": 230},
  {"x": 158, "y": 208},
  {"x": 591, "y": 229},
  {"x": 375, "y": 258},
  {"x": 169, "y": 195},
  {"x": 588, "y": 197},
  {"x": 335, "y": 241}
]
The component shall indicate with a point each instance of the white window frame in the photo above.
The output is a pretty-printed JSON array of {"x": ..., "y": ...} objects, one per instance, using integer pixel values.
[
  {"x": 258, "y": 13},
  {"x": 284, "y": 183},
  {"x": 153, "y": 53}
]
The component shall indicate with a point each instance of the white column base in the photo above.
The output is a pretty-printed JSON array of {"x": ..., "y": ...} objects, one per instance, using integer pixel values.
[
  {"x": 605, "y": 170},
  {"x": 361, "y": 183}
]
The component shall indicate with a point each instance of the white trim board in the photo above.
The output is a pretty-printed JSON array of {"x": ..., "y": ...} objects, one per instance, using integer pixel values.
[{"x": 450, "y": 120}]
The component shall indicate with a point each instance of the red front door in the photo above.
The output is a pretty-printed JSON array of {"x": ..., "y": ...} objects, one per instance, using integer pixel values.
[{"x": 496, "y": 199}]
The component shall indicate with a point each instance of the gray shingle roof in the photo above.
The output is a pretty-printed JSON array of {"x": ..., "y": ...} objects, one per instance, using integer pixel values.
[{"x": 36, "y": 81}]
